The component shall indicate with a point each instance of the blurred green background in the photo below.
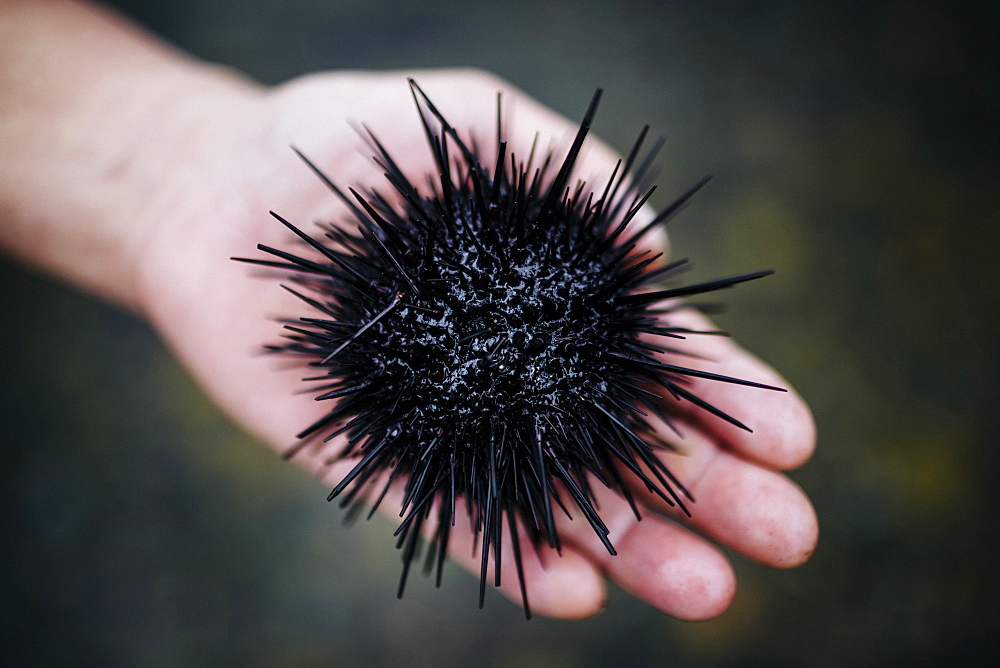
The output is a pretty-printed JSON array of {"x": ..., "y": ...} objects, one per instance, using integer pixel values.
[{"x": 855, "y": 149}]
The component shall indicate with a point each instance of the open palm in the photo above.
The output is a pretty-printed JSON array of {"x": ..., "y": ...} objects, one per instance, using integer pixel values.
[{"x": 215, "y": 315}]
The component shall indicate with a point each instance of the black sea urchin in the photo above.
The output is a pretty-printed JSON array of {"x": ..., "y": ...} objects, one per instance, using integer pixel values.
[{"x": 486, "y": 340}]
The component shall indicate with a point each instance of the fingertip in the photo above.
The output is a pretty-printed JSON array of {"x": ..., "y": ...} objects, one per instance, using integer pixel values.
[
  {"x": 760, "y": 513},
  {"x": 801, "y": 533},
  {"x": 796, "y": 441},
  {"x": 566, "y": 586},
  {"x": 782, "y": 429},
  {"x": 574, "y": 591},
  {"x": 705, "y": 586},
  {"x": 674, "y": 570}
]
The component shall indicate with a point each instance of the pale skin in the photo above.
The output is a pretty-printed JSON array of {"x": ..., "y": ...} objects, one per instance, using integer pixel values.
[{"x": 134, "y": 172}]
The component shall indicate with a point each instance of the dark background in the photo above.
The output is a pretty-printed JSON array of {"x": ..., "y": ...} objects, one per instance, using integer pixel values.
[{"x": 855, "y": 149}]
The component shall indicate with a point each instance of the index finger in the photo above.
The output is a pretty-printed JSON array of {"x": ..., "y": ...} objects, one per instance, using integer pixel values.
[{"x": 780, "y": 433}]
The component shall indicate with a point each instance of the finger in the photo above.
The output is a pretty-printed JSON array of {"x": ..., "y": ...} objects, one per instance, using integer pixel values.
[
  {"x": 753, "y": 510},
  {"x": 566, "y": 585},
  {"x": 783, "y": 433},
  {"x": 657, "y": 561}
]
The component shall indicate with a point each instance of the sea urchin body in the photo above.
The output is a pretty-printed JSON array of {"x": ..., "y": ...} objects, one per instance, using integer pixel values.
[{"x": 491, "y": 342}]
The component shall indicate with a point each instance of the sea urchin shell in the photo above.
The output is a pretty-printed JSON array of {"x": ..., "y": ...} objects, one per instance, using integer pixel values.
[{"x": 488, "y": 342}]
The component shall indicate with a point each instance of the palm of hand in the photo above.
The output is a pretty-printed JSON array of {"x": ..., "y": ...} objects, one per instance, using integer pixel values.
[{"x": 215, "y": 317}]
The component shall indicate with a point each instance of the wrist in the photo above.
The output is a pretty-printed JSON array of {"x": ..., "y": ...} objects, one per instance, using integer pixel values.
[
  {"x": 97, "y": 119},
  {"x": 187, "y": 133}
]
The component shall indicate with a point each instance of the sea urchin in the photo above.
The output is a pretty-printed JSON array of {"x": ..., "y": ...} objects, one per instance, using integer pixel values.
[{"x": 488, "y": 341}]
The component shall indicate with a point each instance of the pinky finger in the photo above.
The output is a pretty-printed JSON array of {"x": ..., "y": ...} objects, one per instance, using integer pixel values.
[{"x": 566, "y": 585}]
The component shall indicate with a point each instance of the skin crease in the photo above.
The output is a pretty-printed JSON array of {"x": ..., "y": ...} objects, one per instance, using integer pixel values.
[{"x": 199, "y": 162}]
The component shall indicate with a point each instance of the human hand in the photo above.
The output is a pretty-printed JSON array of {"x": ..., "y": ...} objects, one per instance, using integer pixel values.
[{"x": 213, "y": 205}]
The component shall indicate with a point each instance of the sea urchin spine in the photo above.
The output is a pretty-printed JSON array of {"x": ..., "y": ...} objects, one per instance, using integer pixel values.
[{"x": 487, "y": 341}]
